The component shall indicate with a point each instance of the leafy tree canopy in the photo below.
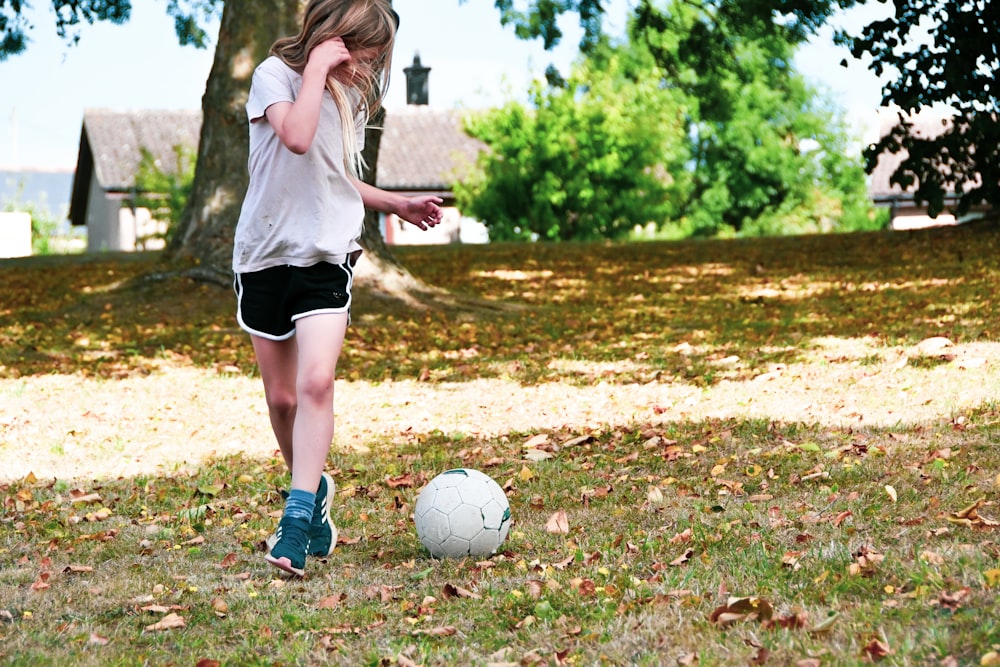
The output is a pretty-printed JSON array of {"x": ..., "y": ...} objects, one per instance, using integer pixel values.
[
  {"x": 587, "y": 160},
  {"x": 71, "y": 15}
]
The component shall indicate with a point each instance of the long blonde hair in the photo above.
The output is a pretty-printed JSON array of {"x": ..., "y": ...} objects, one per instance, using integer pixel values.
[{"x": 363, "y": 25}]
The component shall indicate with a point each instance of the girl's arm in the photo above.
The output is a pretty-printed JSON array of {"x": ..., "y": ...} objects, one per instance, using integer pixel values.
[
  {"x": 423, "y": 211},
  {"x": 295, "y": 122}
]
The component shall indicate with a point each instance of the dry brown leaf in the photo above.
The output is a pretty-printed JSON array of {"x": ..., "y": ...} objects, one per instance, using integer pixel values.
[
  {"x": 536, "y": 441},
  {"x": 155, "y": 609},
  {"x": 79, "y": 496},
  {"x": 750, "y": 608},
  {"x": 791, "y": 559},
  {"x": 331, "y": 601},
  {"x": 876, "y": 650},
  {"x": 42, "y": 582},
  {"x": 453, "y": 591},
  {"x": 220, "y": 607},
  {"x": 683, "y": 537},
  {"x": 683, "y": 558},
  {"x": 970, "y": 517},
  {"x": 558, "y": 523},
  {"x": 168, "y": 622},
  {"x": 440, "y": 631},
  {"x": 403, "y": 481},
  {"x": 76, "y": 569}
]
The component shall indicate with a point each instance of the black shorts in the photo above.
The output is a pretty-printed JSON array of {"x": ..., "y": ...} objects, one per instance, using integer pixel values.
[{"x": 269, "y": 301}]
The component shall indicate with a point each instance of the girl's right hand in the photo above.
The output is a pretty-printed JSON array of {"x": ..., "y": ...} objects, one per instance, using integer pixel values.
[{"x": 328, "y": 55}]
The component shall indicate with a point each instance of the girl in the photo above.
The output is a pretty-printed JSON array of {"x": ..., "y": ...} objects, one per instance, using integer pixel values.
[{"x": 297, "y": 236}]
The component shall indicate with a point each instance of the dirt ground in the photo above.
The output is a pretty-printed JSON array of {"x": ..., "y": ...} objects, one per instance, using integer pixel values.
[{"x": 72, "y": 428}]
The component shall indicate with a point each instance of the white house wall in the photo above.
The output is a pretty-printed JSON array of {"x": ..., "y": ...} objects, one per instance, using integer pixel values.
[
  {"x": 102, "y": 219},
  {"x": 112, "y": 227}
]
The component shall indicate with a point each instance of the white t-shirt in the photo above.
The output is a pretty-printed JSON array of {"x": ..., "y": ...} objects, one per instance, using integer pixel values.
[{"x": 299, "y": 209}]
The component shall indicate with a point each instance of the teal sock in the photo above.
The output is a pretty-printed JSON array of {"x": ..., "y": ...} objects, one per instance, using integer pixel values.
[{"x": 299, "y": 504}]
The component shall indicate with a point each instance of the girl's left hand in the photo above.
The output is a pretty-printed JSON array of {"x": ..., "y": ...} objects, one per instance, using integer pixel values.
[{"x": 423, "y": 211}]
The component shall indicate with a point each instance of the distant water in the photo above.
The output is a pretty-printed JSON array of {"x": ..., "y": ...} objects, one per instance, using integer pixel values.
[{"x": 46, "y": 190}]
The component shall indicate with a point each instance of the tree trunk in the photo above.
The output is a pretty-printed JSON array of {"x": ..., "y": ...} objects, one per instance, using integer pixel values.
[
  {"x": 205, "y": 232},
  {"x": 246, "y": 32}
]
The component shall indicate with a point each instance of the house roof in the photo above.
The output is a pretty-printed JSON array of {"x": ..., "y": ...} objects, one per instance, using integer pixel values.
[
  {"x": 421, "y": 148},
  {"x": 424, "y": 149},
  {"x": 116, "y": 140}
]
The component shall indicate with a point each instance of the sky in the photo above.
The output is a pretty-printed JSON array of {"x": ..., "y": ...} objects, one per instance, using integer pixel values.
[{"x": 474, "y": 61}]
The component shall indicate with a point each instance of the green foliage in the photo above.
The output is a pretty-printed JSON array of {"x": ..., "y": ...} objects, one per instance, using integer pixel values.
[
  {"x": 69, "y": 15},
  {"x": 188, "y": 15},
  {"x": 703, "y": 139},
  {"x": 768, "y": 157},
  {"x": 589, "y": 160},
  {"x": 164, "y": 192}
]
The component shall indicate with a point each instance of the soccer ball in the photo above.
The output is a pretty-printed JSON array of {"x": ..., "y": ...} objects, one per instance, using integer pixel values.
[{"x": 462, "y": 512}]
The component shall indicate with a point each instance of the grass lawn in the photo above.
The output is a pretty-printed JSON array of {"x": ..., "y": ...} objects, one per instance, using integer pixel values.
[{"x": 778, "y": 451}]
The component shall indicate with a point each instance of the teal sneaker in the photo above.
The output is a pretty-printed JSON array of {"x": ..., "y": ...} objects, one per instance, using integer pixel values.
[
  {"x": 322, "y": 531},
  {"x": 291, "y": 545}
]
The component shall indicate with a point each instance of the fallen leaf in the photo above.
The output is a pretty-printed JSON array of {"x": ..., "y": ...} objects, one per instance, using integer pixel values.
[
  {"x": 536, "y": 441},
  {"x": 331, "y": 601},
  {"x": 970, "y": 517},
  {"x": 78, "y": 496},
  {"x": 168, "y": 622},
  {"x": 825, "y": 625},
  {"x": 558, "y": 523},
  {"x": 220, "y": 607},
  {"x": 791, "y": 559},
  {"x": 683, "y": 558},
  {"x": 682, "y": 537},
  {"x": 740, "y": 609},
  {"x": 440, "y": 631},
  {"x": 876, "y": 650},
  {"x": 453, "y": 591},
  {"x": 990, "y": 659},
  {"x": 155, "y": 609},
  {"x": 76, "y": 569},
  {"x": 403, "y": 481}
]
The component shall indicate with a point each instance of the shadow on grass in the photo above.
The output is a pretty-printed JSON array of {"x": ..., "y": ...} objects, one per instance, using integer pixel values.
[{"x": 593, "y": 312}]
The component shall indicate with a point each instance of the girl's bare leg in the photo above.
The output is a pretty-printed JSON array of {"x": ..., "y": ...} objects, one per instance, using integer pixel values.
[
  {"x": 320, "y": 339},
  {"x": 277, "y": 361}
]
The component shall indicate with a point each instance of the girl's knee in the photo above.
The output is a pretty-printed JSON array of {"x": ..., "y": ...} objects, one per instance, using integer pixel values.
[
  {"x": 282, "y": 403},
  {"x": 316, "y": 387}
]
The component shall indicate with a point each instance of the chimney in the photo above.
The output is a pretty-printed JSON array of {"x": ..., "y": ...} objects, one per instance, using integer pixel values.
[{"x": 416, "y": 81}]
